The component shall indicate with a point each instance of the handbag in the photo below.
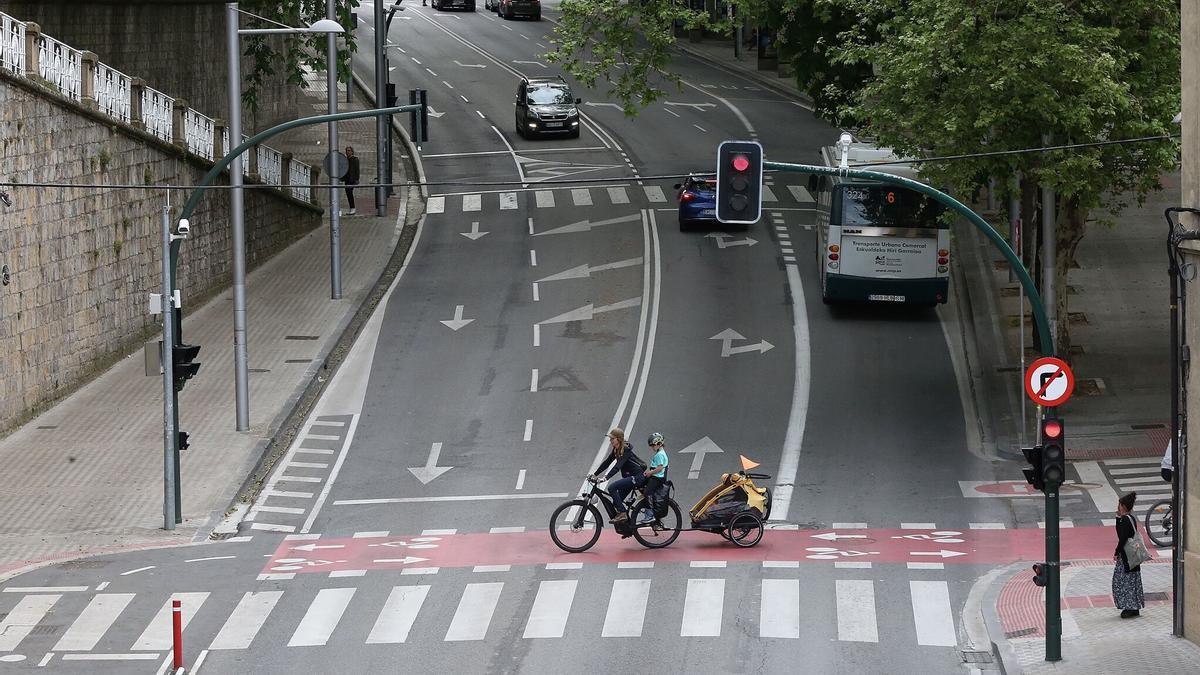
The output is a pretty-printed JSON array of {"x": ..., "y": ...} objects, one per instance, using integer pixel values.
[{"x": 1135, "y": 548}]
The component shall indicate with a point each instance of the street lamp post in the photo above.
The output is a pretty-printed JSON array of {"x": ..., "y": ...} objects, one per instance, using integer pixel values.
[{"x": 236, "y": 202}]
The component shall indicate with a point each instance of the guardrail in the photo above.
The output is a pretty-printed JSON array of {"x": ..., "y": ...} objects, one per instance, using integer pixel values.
[{"x": 28, "y": 53}]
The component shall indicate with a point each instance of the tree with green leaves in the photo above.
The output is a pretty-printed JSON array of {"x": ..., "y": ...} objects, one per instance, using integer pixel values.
[{"x": 967, "y": 76}]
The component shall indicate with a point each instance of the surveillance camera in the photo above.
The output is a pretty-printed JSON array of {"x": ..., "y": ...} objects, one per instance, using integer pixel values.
[{"x": 184, "y": 227}]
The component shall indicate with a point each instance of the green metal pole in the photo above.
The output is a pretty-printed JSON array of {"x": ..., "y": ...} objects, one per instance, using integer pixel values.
[{"x": 1035, "y": 298}]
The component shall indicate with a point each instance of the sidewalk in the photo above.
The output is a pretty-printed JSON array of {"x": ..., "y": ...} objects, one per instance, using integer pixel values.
[
  {"x": 86, "y": 476},
  {"x": 719, "y": 53},
  {"x": 1094, "y": 637}
]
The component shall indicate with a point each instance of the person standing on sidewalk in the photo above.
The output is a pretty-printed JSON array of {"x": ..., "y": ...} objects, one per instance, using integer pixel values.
[
  {"x": 1128, "y": 595},
  {"x": 351, "y": 178}
]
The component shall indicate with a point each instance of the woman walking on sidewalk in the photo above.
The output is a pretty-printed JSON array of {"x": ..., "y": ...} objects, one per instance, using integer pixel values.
[{"x": 1128, "y": 595}]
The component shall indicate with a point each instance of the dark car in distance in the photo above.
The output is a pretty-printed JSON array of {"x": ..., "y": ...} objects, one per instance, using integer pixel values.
[
  {"x": 697, "y": 202},
  {"x": 440, "y": 5},
  {"x": 545, "y": 105},
  {"x": 512, "y": 8}
]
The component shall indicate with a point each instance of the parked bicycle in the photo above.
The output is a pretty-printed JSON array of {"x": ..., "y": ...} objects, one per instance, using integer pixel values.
[
  {"x": 575, "y": 525},
  {"x": 1160, "y": 524}
]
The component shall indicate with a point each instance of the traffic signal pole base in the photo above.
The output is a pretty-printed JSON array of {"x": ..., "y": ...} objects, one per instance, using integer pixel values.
[{"x": 1053, "y": 569}]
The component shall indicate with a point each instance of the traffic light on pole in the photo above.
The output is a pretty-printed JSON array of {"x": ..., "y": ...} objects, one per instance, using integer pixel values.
[
  {"x": 1039, "y": 575},
  {"x": 1054, "y": 452},
  {"x": 1033, "y": 474},
  {"x": 739, "y": 182},
  {"x": 184, "y": 365}
]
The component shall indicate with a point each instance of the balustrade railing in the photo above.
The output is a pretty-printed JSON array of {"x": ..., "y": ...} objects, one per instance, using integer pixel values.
[
  {"x": 112, "y": 90},
  {"x": 298, "y": 177},
  {"x": 12, "y": 44},
  {"x": 60, "y": 65},
  {"x": 270, "y": 165},
  {"x": 198, "y": 130},
  {"x": 157, "y": 108}
]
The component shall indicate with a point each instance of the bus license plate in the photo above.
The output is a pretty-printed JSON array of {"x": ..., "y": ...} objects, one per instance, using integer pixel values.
[{"x": 886, "y": 298}]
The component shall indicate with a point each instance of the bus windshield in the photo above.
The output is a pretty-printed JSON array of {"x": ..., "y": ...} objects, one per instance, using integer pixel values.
[{"x": 888, "y": 206}]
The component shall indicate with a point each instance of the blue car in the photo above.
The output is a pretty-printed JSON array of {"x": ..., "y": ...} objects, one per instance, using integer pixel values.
[{"x": 697, "y": 202}]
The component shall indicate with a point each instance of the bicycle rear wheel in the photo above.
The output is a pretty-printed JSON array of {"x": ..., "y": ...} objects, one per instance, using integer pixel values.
[
  {"x": 1160, "y": 525},
  {"x": 659, "y": 532},
  {"x": 581, "y": 531}
]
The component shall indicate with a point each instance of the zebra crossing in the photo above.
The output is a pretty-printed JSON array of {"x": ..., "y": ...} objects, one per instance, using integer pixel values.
[
  {"x": 1140, "y": 474},
  {"x": 797, "y": 197},
  {"x": 699, "y": 606}
]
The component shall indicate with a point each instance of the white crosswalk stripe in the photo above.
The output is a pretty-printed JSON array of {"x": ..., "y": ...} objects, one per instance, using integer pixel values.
[
  {"x": 581, "y": 197},
  {"x": 700, "y": 606},
  {"x": 22, "y": 619},
  {"x": 768, "y": 195},
  {"x": 246, "y": 620},
  {"x": 322, "y": 617},
  {"x": 436, "y": 205},
  {"x": 157, "y": 635},
  {"x": 618, "y": 195},
  {"x": 545, "y": 199},
  {"x": 801, "y": 194},
  {"x": 472, "y": 202},
  {"x": 655, "y": 194},
  {"x": 93, "y": 622},
  {"x": 398, "y": 615},
  {"x": 508, "y": 200},
  {"x": 1143, "y": 475}
]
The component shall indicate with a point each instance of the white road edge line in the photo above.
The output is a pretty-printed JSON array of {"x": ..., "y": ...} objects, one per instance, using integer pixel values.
[{"x": 789, "y": 462}]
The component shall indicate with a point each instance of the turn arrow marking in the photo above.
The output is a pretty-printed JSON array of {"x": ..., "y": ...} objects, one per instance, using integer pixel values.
[
  {"x": 406, "y": 560},
  {"x": 723, "y": 240},
  {"x": 699, "y": 449},
  {"x": 470, "y": 65},
  {"x": 584, "y": 271},
  {"x": 433, "y": 113},
  {"x": 588, "y": 311},
  {"x": 727, "y": 337},
  {"x": 458, "y": 321},
  {"x": 698, "y": 106},
  {"x": 941, "y": 554},
  {"x": 313, "y": 547},
  {"x": 431, "y": 470},
  {"x": 474, "y": 234},
  {"x": 834, "y": 536},
  {"x": 587, "y": 225}
]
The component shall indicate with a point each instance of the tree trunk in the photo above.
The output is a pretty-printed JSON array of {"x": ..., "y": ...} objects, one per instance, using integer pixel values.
[{"x": 1070, "y": 231}]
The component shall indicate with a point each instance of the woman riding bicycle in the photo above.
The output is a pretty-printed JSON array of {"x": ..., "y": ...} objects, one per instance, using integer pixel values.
[{"x": 622, "y": 459}]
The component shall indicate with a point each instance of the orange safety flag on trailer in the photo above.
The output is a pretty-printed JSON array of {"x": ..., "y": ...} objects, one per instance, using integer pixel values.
[{"x": 747, "y": 464}]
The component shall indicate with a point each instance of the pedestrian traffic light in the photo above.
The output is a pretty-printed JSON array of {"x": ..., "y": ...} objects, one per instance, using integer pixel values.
[
  {"x": 1033, "y": 474},
  {"x": 183, "y": 363},
  {"x": 1054, "y": 453},
  {"x": 1039, "y": 575},
  {"x": 182, "y": 440},
  {"x": 739, "y": 181}
]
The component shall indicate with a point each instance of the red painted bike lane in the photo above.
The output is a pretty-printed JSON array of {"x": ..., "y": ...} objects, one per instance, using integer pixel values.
[{"x": 990, "y": 547}]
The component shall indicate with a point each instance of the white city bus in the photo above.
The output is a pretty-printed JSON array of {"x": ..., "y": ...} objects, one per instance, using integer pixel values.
[{"x": 878, "y": 242}]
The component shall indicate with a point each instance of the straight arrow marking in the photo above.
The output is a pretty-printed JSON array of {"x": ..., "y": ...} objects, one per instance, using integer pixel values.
[
  {"x": 474, "y": 234},
  {"x": 698, "y": 450},
  {"x": 457, "y": 322},
  {"x": 588, "y": 311},
  {"x": 584, "y": 271},
  {"x": 941, "y": 554},
  {"x": 431, "y": 470},
  {"x": 587, "y": 225}
]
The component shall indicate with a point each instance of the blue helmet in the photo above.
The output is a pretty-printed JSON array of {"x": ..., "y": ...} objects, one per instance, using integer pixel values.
[{"x": 655, "y": 439}]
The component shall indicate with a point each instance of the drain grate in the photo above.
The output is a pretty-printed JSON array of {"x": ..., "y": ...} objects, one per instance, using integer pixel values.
[
  {"x": 302, "y": 337},
  {"x": 48, "y": 426},
  {"x": 1160, "y": 595},
  {"x": 1141, "y": 427},
  {"x": 1020, "y": 633},
  {"x": 299, "y": 361},
  {"x": 45, "y": 629},
  {"x": 259, "y": 370},
  {"x": 85, "y": 564},
  {"x": 976, "y": 656}
]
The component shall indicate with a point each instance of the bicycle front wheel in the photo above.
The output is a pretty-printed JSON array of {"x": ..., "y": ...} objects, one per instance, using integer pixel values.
[
  {"x": 1160, "y": 524},
  {"x": 656, "y": 532},
  {"x": 575, "y": 526}
]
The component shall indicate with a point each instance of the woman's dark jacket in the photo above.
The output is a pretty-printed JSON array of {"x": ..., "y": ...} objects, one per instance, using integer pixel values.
[
  {"x": 628, "y": 463},
  {"x": 1125, "y": 532}
]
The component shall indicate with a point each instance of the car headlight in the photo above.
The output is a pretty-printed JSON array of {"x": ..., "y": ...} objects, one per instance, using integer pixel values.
[{"x": 572, "y": 113}]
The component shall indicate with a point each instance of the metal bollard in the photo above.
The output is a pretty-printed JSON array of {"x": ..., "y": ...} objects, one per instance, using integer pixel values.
[{"x": 177, "y": 627}]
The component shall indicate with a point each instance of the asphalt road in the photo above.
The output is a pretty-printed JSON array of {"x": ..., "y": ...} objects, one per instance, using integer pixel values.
[{"x": 533, "y": 316}]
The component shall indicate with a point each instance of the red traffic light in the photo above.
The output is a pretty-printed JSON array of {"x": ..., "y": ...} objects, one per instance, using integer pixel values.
[
  {"x": 1052, "y": 429},
  {"x": 741, "y": 162}
]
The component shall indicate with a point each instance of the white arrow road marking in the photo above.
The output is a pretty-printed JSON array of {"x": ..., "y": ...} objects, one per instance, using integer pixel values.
[
  {"x": 588, "y": 311},
  {"x": 834, "y": 536},
  {"x": 941, "y": 554},
  {"x": 470, "y": 65},
  {"x": 433, "y": 113},
  {"x": 406, "y": 560},
  {"x": 610, "y": 105},
  {"x": 431, "y": 470},
  {"x": 532, "y": 63},
  {"x": 699, "y": 449},
  {"x": 313, "y": 547},
  {"x": 457, "y": 322},
  {"x": 698, "y": 106},
  {"x": 474, "y": 234},
  {"x": 723, "y": 240},
  {"x": 584, "y": 271},
  {"x": 587, "y": 225},
  {"x": 727, "y": 337}
]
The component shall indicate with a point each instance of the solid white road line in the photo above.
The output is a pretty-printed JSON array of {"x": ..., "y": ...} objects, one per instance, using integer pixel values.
[
  {"x": 474, "y": 613},
  {"x": 110, "y": 657},
  {"x": 618, "y": 195},
  {"x": 398, "y": 615},
  {"x": 581, "y": 197},
  {"x": 449, "y": 498},
  {"x": 779, "y": 615},
  {"x": 789, "y": 462},
  {"x": 508, "y": 201},
  {"x": 472, "y": 203},
  {"x": 157, "y": 635},
  {"x": 932, "y": 614},
  {"x": 551, "y": 609},
  {"x": 95, "y": 620},
  {"x": 626, "y": 608},
  {"x": 45, "y": 589},
  {"x": 649, "y": 220},
  {"x": 322, "y": 617},
  {"x": 856, "y": 610},
  {"x": 545, "y": 199},
  {"x": 22, "y": 619},
  {"x": 702, "y": 608},
  {"x": 246, "y": 620},
  {"x": 136, "y": 570},
  {"x": 436, "y": 205}
]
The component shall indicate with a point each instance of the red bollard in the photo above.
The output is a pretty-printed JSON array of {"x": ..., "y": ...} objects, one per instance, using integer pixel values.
[{"x": 177, "y": 625}]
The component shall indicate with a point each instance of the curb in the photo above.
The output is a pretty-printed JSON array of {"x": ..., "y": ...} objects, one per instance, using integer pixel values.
[
  {"x": 290, "y": 420},
  {"x": 1006, "y": 658}
]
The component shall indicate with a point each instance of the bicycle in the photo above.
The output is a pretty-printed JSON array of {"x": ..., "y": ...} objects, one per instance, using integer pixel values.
[
  {"x": 575, "y": 525},
  {"x": 1160, "y": 524}
]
